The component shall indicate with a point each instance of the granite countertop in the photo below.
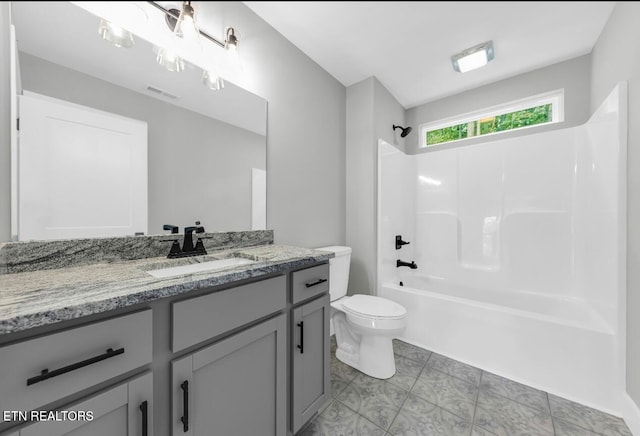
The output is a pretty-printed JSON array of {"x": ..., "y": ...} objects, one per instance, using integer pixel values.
[{"x": 37, "y": 298}]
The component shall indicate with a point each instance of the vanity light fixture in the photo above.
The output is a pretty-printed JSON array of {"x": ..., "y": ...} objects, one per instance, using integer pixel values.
[
  {"x": 114, "y": 34},
  {"x": 183, "y": 25},
  {"x": 185, "y": 39},
  {"x": 474, "y": 57}
]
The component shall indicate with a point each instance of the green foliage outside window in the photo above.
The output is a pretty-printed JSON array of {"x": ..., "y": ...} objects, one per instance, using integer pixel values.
[{"x": 509, "y": 121}]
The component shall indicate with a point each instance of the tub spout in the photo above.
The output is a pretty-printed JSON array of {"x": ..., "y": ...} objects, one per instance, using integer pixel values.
[{"x": 411, "y": 265}]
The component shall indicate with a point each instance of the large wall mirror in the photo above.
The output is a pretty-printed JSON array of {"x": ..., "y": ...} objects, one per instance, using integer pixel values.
[{"x": 206, "y": 150}]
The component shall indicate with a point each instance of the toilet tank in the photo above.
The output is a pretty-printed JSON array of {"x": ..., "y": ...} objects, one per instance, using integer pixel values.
[{"x": 338, "y": 271}]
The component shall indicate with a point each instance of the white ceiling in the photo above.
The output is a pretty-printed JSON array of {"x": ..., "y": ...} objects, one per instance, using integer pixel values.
[{"x": 408, "y": 45}]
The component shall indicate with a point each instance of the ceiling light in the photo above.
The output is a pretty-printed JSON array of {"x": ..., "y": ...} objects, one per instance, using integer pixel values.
[
  {"x": 472, "y": 58},
  {"x": 114, "y": 34}
]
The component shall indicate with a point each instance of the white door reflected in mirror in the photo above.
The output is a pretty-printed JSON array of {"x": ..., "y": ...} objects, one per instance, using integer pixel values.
[{"x": 82, "y": 172}]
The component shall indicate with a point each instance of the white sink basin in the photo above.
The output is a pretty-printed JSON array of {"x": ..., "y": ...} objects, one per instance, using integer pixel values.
[{"x": 211, "y": 266}]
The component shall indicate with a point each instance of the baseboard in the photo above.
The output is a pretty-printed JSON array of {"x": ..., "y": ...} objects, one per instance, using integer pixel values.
[{"x": 631, "y": 414}]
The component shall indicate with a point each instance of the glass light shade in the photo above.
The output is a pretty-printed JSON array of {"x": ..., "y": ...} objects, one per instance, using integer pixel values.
[
  {"x": 186, "y": 25},
  {"x": 212, "y": 81},
  {"x": 169, "y": 59},
  {"x": 116, "y": 35},
  {"x": 474, "y": 57}
]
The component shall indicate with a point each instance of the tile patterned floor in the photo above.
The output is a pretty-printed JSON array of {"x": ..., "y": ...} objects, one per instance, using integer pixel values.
[{"x": 434, "y": 395}]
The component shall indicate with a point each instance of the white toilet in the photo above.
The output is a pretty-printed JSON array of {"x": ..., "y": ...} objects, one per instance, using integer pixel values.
[{"x": 364, "y": 324}]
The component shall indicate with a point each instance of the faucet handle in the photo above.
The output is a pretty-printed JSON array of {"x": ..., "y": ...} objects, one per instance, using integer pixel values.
[
  {"x": 174, "y": 229},
  {"x": 175, "y": 250},
  {"x": 400, "y": 242},
  {"x": 200, "y": 248},
  {"x": 194, "y": 229}
]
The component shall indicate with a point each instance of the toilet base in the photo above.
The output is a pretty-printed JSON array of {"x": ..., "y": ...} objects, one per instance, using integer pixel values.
[
  {"x": 376, "y": 357},
  {"x": 372, "y": 355}
]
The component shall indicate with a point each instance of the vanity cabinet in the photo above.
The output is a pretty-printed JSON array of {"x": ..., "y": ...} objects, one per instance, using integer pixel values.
[
  {"x": 125, "y": 410},
  {"x": 247, "y": 358},
  {"x": 310, "y": 360},
  {"x": 235, "y": 387},
  {"x": 310, "y": 350}
]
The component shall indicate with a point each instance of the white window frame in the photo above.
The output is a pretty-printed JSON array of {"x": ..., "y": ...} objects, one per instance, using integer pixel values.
[{"x": 556, "y": 98}]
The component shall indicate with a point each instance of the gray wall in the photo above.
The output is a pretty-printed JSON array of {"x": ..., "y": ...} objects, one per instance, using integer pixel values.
[
  {"x": 305, "y": 134},
  {"x": 371, "y": 113},
  {"x": 199, "y": 168},
  {"x": 615, "y": 58},
  {"x": 5, "y": 134},
  {"x": 359, "y": 186},
  {"x": 572, "y": 75}
]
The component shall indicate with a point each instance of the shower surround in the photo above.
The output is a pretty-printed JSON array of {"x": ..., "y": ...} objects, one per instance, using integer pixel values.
[{"x": 520, "y": 247}]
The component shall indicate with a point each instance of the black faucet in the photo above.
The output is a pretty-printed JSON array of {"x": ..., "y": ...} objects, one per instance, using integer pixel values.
[
  {"x": 411, "y": 265},
  {"x": 187, "y": 245},
  {"x": 188, "y": 249}
]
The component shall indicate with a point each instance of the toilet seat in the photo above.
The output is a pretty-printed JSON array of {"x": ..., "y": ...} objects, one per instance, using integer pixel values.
[{"x": 373, "y": 307}]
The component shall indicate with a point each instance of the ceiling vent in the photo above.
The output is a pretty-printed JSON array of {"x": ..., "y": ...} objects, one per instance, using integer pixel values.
[{"x": 162, "y": 92}]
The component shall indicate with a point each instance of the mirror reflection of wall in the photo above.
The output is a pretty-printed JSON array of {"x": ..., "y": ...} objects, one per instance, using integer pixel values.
[{"x": 199, "y": 168}]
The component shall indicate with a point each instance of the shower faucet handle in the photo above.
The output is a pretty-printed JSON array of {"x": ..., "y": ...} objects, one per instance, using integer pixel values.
[{"x": 400, "y": 242}]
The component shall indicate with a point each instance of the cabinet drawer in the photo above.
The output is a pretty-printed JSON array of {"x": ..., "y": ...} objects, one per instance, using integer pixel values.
[
  {"x": 310, "y": 282},
  {"x": 201, "y": 318},
  {"x": 75, "y": 359},
  {"x": 116, "y": 411}
]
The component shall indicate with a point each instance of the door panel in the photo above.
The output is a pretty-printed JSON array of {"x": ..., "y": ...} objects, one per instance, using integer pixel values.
[{"x": 81, "y": 172}]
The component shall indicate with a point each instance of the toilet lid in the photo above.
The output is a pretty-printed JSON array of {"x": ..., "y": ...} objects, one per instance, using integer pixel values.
[{"x": 373, "y": 307}]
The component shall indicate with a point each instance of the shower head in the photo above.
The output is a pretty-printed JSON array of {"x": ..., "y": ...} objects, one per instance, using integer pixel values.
[{"x": 405, "y": 130}]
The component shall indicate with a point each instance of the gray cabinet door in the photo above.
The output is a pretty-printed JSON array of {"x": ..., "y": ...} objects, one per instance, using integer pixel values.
[
  {"x": 310, "y": 360},
  {"x": 116, "y": 411},
  {"x": 235, "y": 387}
]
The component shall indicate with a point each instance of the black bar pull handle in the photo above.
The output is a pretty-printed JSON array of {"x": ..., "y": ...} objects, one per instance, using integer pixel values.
[
  {"x": 45, "y": 374},
  {"x": 301, "y": 345},
  {"x": 145, "y": 418},
  {"x": 185, "y": 405},
  {"x": 316, "y": 283}
]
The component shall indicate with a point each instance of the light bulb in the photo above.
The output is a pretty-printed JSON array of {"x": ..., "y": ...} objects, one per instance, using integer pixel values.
[
  {"x": 189, "y": 30},
  {"x": 186, "y": 26}
]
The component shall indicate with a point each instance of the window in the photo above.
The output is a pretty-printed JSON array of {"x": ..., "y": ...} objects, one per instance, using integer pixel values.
[{"x": 540, "y": 109}]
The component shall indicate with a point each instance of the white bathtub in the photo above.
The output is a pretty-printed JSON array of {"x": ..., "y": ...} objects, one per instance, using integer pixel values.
[{"x": 558, "y": 345}]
